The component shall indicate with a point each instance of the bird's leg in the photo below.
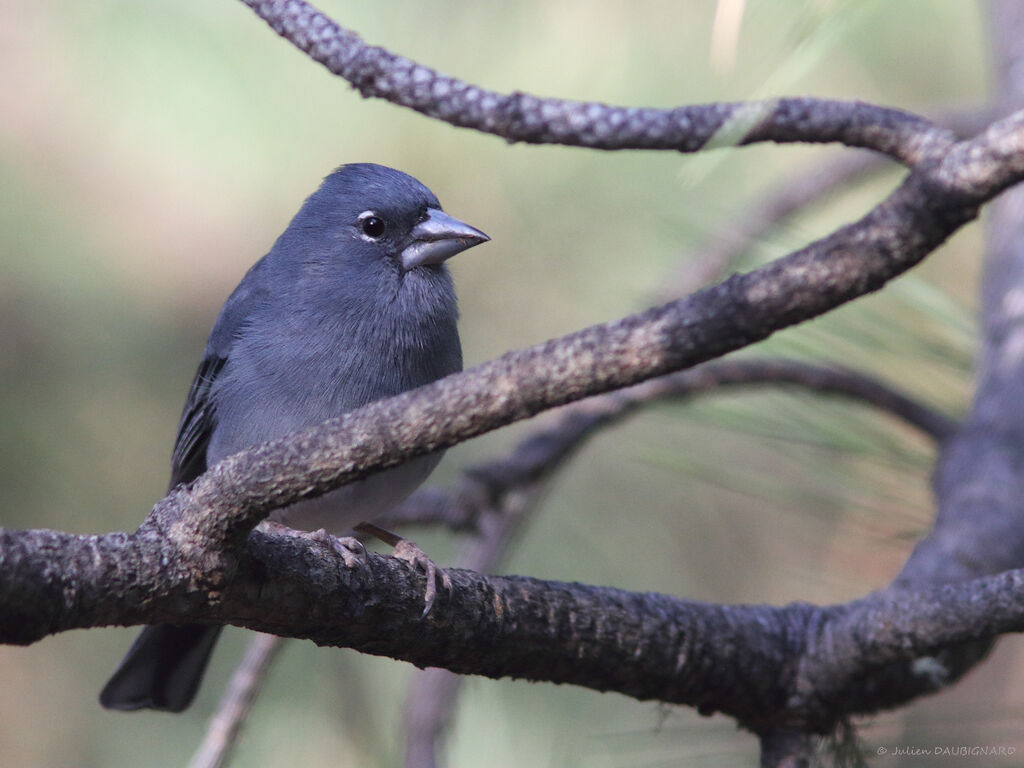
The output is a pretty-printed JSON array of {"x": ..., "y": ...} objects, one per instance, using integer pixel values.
[{"x": 405, "y": 549}]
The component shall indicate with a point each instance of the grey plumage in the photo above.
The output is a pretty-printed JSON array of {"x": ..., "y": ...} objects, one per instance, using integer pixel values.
[{"x": 352, "y": 304}]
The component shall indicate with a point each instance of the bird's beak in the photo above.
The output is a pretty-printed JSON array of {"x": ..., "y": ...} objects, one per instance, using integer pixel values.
[{"x": 439, "y": 237}]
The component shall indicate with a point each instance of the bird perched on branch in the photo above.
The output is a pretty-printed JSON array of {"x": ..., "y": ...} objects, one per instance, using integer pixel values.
[{"x": 352, "y": 304}]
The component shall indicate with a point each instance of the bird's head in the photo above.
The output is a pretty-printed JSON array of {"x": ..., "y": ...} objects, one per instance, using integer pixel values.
[{"x": 365, "y": 213}]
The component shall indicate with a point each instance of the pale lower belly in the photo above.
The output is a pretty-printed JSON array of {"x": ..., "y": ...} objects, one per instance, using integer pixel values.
[{"x": 360, "y": 502}]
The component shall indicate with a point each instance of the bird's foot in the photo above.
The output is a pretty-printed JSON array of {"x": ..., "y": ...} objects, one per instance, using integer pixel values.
[
  {"x": 408, "y": 550},
  {"x": 350, "y": 549},
  {"x": 405, "y": 549}
]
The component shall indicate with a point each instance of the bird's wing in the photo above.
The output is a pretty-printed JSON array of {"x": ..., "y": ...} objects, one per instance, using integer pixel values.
[
  {"x": 199, "y": 417},
  {"x": 188, "y": 461}
]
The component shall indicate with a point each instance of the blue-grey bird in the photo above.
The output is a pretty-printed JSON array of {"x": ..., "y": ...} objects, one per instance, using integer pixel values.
[{"x": 352, "y": 304}]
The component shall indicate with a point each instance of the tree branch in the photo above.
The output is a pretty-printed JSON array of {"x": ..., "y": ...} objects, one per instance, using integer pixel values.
[
  {"x": 225, "y": 727},
  {"x": 757, "y": 218},
  {"x": 978, "y": 483},
  {"x": 758, "y": 664},
  {"x": 786, "y": 748},
  {"x": 542, "y": 453},
  {"x": 515, "y": 117},
  {"x": 739, "y": 232}
]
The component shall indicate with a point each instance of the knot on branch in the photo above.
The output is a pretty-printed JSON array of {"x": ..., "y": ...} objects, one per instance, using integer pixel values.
[{"x": 197, "y": 547}]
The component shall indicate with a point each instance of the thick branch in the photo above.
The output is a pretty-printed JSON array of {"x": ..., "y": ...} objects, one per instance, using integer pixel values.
[
  {"x": 978, "y": 482},
  {"x": 887, "y": 648},
  {"x": 733, "y": 659}
]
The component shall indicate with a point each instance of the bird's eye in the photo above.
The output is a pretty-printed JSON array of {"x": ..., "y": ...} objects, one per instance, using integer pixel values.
[{"x": 373, "y": 226}]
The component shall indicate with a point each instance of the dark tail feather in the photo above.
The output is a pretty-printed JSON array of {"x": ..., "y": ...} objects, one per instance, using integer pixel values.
[{"x": 163, "y": 669}]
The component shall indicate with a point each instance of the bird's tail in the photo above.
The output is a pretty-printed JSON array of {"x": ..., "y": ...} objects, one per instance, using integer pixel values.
[{"x": 163, "y": 668}]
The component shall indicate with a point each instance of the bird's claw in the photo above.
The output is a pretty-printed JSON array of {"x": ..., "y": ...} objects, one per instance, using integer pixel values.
[
  {"x": 353, "y": 553},
  {"x": 412, "y": 554},
  {"x": 351, "y": 549}
]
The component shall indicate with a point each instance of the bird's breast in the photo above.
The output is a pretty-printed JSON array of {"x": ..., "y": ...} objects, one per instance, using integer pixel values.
[{"x": 313, "y": 363}]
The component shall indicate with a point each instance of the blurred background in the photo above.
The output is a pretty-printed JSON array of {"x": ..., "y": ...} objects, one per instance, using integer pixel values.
[{"x": 150, "y": 152}]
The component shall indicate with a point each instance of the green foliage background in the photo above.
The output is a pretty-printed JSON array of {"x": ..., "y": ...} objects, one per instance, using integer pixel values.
[{"x": 149, "y": 152}]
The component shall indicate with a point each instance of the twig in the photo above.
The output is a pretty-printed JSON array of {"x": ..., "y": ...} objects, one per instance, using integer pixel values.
[
  {"x": 225, "y": 726},
  {"x": 715, "y": 256},
  {"x": 544, "y": 451},
  {"x": 430, "y": 700},
  {"x": 429, "y": 705}
]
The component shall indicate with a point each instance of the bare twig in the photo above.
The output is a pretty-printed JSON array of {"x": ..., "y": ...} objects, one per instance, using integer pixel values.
[
  {"x": 429, "y": 705},
  {"x": 715, "y": 256},
  {"x": 719, "y": 253},
  {"x": 225, "y": 726},
  {"x": 544, "y": 451},
  {"x": 432, "y": 695}
]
